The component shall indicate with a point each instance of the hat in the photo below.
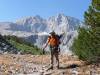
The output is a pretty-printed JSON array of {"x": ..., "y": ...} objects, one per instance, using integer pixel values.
[{"x": 52, "y": 33}]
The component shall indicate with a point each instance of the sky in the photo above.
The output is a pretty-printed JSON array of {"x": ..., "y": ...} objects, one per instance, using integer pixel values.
[{"x": 11, "y": 10}]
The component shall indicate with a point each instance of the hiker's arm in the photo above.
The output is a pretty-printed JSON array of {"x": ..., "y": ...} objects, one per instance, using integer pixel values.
[
  {"x": 46, "y": 43},
  {"x": 44, "y": 48}
]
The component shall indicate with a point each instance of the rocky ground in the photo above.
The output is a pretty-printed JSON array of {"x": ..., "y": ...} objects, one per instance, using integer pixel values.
[{"x": 11, "y": 64}]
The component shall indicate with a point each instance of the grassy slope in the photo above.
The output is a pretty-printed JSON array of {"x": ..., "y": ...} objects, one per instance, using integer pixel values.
[{"x": 23, "y": 46}]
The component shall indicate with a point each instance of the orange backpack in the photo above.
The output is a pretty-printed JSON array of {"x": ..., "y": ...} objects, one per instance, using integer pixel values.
[{"x": 53, "y": 40}]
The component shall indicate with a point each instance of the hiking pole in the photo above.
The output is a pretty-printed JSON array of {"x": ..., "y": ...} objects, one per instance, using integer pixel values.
[
  {"x": 42, "y": 70},
  {"x": 42, "y": 56}
]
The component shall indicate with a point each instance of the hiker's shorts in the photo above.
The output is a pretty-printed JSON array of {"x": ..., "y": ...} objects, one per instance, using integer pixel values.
[{"x": 54, "y": 50}]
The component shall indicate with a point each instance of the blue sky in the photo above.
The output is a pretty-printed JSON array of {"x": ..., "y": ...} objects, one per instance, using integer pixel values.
[{"x": 10, "y": 10}]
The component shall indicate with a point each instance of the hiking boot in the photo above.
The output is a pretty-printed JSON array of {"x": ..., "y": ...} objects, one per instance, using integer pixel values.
[{"x": 50, "y": 68}]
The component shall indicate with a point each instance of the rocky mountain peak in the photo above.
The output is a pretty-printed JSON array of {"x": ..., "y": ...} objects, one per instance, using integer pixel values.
[{"x": 29, "y": 20}]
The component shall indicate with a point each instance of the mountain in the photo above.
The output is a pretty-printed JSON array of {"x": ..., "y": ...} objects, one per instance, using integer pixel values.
[
  {"x": 35, "y": 29},
  {"x": 61, "y": 23},
  {"x": 32, "y": 24}
]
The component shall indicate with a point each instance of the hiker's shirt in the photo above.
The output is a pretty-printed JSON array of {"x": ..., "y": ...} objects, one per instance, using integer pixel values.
[{"x": 53, "y": 41}]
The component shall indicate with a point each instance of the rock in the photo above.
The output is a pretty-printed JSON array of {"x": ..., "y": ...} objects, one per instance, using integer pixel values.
[{"x": 5, "y": 53}]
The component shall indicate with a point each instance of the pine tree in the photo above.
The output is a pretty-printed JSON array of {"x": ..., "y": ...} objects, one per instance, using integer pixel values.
[
  {"x": 92, "y": 16},
  {"x": 87, "y": 45}
]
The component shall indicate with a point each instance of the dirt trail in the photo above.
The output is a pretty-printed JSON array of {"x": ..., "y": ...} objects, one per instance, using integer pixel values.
[{"x": 11, "y": 64}]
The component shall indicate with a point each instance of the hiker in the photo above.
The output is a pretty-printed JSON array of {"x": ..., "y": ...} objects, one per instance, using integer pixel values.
[{"x": 53, "y": 41}]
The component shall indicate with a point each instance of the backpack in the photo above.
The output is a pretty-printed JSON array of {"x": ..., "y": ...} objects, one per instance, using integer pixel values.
[{"x": 54, "y": 40}]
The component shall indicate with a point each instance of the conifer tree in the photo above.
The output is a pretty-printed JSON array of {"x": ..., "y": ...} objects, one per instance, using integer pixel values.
[
  {"x": 87, "y": 45},
  {"x": 92, "y": 16}
]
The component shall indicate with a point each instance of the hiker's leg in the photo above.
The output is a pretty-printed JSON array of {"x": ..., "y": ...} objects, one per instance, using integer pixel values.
[
  {"x": 52, "y": 56},
  {"x": 57, "y": 59},
  {"x": 57, "y": 56},
  {"x": 51, "y": 59}
]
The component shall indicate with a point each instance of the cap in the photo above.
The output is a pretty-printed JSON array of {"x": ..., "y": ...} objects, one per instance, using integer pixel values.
[{"x": 52, "y": 33}]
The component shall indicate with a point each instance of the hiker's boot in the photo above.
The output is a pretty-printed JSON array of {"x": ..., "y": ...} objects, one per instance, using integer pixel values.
[{"x": 50, "y": 68}]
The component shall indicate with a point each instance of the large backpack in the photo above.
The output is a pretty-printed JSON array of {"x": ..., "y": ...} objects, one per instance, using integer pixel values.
[{"x": 54, "y": 40}]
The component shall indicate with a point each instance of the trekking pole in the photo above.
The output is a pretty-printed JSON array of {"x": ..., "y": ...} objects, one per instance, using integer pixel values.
[
  {"x": 42, "y": 71},
  {"x": 42, "y": 56}
]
